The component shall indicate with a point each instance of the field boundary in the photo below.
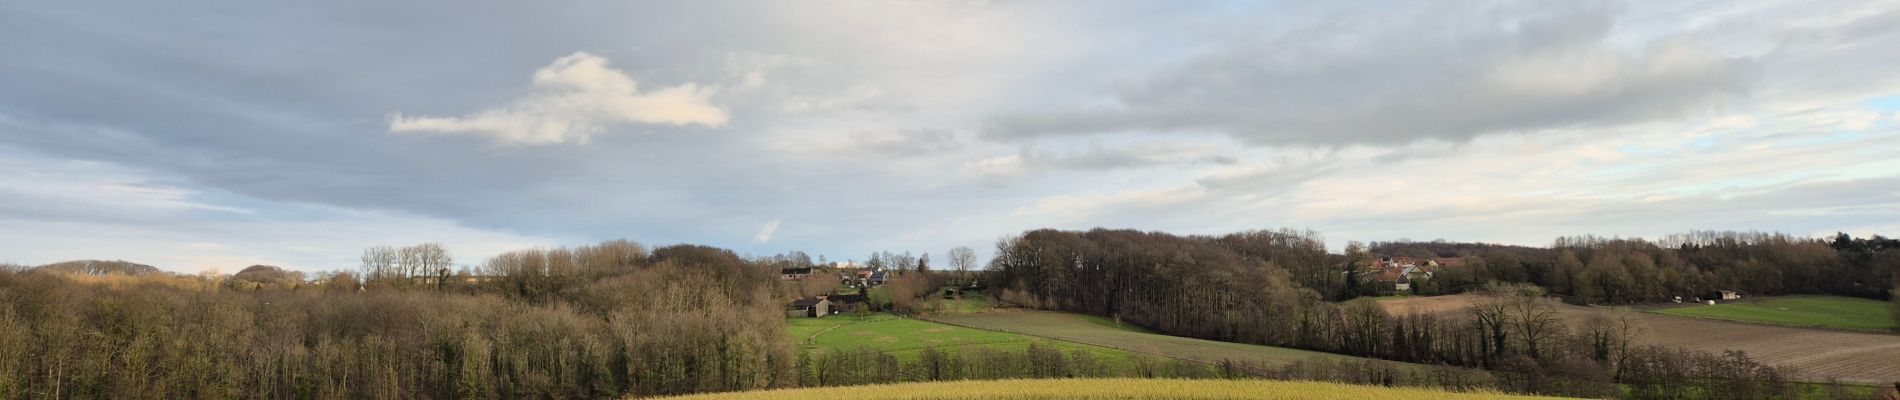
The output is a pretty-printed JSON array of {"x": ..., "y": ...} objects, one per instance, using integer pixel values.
[
  {"x": 1731, "y": 321},
  {"x": 813, "y": 339}
]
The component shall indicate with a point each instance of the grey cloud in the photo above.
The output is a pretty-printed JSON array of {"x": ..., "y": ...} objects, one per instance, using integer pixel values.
[
  {"x": 1278, "y": 179},
  {"x": 909, "y": 142},
  {"x": 1428, "y": 71},
  {"x": 279, "y": 106},
  {"x": 1097, "y": 157},
  {"x": 287, "y": 104}
]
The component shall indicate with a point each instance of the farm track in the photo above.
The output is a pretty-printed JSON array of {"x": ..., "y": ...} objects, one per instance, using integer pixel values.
[{"x": 1815, "y": 354}]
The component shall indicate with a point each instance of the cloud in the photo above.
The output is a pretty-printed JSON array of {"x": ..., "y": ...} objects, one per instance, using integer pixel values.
[
  {"x": 53, "y": 210},
  {"x": 1098, "y": 157},
  {"x": 765, "y": 233},
  {"x": 1424, "y": 71},
  {"x": 907, "y": 142},
  {"x": 209, "y": 124},
  {"x": 576, "y": 97}
]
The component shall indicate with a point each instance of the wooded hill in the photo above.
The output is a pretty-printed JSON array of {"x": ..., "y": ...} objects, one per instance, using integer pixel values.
[{"x": 99, "y": 267}]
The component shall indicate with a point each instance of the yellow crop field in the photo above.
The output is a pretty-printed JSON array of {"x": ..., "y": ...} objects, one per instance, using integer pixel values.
[{"x": 1105, "y": 389}]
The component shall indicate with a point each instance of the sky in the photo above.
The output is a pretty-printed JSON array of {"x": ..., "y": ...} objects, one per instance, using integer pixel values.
[{"x": 216, "y": 134}]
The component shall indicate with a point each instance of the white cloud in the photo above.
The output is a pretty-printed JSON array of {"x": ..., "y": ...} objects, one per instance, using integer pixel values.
[
  {"x": 765, "y": 233},
  {"x": 58, "y": 210},
  {"x": 576, "y": 97}
]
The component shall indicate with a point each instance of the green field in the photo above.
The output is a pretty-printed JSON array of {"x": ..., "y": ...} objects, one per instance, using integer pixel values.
[
  {"x": 904, "y": 337},
  {"x": 971, "y": 302},
  {"x": 1805, "y": 311},
  {"x": 1104, "y": 332},
  {"x": 1104, "y": 389}
]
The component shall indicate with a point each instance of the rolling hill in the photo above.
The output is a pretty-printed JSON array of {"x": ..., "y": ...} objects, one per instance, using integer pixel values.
[
  {"x": 99, "y": 267},
  {"x": 1102, "y": 332},
  {"x": 905, "y": 337}
]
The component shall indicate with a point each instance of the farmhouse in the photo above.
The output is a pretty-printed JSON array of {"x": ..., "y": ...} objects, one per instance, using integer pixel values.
[
  {"x": 813, "y": 307},
  {"x": 793, "y": 273},
  {"x": 1399, "y": 272},
  {"x": 844, "y": 303}
]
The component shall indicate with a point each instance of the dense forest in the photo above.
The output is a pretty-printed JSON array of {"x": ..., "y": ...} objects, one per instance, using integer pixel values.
[{"x": 592, "y": 322}]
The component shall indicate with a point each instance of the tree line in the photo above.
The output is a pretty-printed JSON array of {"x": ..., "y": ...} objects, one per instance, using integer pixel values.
[
  {"x": 1598, "y": 270},
  {"x": 590, "y": 322},
  {"x": 1252, "y": 288},
  {"x": 618, "y": 318}
]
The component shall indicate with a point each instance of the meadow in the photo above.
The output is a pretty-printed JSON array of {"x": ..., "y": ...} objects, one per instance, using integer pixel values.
[
  {"x": 905, "y": 337},
  {"x": 1833, "y": 312},
  {"x": 1103, "y": 389},
  {"x": 1106, "y": 332}
]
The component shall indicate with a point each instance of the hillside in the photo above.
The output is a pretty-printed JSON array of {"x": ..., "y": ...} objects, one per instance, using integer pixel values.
[
  {"x": 1091, "y": 389},
  {"x": 265, "y": 275},
  {"x": 1102, "y": 332},
  {"x": 99, "y": 267},
  {"x": 904, "y": 337}
]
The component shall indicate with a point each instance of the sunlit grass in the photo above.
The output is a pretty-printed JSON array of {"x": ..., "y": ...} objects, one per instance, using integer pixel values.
[
  {"x": 1093, "y": 389},
  {"x": 1809, "y": 311},
  {"x": 905, "y": 338}
]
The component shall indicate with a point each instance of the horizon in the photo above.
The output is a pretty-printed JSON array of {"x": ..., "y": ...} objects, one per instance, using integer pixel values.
[
  {"x": 984, "y": 254},
  {"x": 297, "y": 135}
]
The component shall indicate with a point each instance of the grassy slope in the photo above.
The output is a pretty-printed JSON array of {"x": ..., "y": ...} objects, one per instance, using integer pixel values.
[
  {"x": 904, "y": 338},
  {"x": 1809, "y": 311},
  {"x": 972, "y": 302},
  {"x": 1103, "y": 332},
  {"x": 1091, "y": 389}
]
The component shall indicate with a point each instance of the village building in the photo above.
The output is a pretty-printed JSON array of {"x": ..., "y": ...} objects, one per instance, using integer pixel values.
[
  {"x": 793, "y": 273},
  {"x": 813, "y": 307},
  {"x": 844, "y": 303},
  {"x": 1398, "y": 273}
]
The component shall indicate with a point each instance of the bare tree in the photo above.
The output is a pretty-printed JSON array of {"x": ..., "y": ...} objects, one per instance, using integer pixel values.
[
  {"x": 1535, "y": 321},
  {"x": 962, "y": 259},
  {"x": 1611, "y": 341},
  {"x": 380, "y": 264},
  {"x": 1489, "y": 314},
  {"x": 431, "y": 260}
]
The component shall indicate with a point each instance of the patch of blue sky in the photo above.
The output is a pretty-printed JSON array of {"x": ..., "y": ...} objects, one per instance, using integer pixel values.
[
  {"x": 1645, "y": 151},
  {"x": 1705, "y": 143},
  {"x": 222, "y": 205},
  {"x": 1620, "y": 170},
  {"x": 1728, "y": 188},
  {"x": 1889, "y": 103},
  {"x": 1837, "y": 137}
]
